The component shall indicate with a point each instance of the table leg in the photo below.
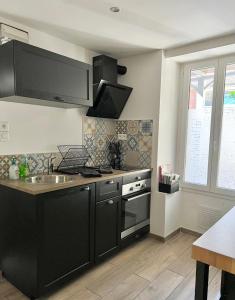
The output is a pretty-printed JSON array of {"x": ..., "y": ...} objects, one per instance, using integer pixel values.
[
  {"x": 201, "y": 286},
  {"x": 227, "y": 288}
]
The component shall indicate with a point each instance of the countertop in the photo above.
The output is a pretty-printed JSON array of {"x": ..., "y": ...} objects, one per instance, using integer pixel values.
[
  {"x": 216, "y": 247},
  {"x": 36, "y": 189}
]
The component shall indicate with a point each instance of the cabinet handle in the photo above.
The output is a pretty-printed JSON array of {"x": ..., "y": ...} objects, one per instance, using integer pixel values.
[
  {"x": 136, "y": 197},
  {"x": 110, "y": 182},
  {"x": 110, "y": 202},
  {"x": 86, "y": 188},
  {"x": 57, "y": 98}
]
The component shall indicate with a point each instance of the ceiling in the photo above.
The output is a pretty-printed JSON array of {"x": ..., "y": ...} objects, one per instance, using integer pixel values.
[{"x": 140, "y": 26}]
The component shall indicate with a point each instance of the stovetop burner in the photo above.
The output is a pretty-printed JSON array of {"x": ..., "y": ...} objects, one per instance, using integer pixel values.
[{"x": 87, "y": 171}]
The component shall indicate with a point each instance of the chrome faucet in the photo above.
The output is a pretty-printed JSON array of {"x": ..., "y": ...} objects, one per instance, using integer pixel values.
[{"x": 50, "y": 168}]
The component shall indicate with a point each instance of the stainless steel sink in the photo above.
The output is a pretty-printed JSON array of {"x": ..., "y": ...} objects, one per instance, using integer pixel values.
[{"x": 49, "y": 179}]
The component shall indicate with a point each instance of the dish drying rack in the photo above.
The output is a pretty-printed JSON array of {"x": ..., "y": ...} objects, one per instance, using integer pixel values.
[{"x": 73, "y": 156}]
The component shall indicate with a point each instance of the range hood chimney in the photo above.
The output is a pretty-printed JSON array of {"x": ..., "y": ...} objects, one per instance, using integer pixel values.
[{"x": 109, "y": 96}]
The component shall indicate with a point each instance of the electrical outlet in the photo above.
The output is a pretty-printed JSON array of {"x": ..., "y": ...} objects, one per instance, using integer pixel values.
[
  {"x": 122, "y": 136},
  {"x": 4, "y": 136}
]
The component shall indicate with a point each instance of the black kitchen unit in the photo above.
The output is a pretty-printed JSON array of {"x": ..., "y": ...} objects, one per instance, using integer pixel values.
[
  {"x": 46, "y": 239},
  {"x": 49, "y": 238},
  {"x": 108, "y": 218},
  {"x": 67, "y": 224},
  {"x": 29, "y": 74},
  {"x": 107, "y": 228}
]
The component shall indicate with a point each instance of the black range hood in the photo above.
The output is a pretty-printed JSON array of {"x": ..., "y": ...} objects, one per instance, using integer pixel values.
[{"x": 109, "y": 96}]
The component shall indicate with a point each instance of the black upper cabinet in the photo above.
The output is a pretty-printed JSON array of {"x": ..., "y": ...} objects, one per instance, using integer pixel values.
[{"x": 42, "y": 77}]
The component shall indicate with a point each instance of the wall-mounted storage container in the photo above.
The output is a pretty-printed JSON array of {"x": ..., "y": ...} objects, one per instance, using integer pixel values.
[
  {"x": 169, "y": 188},
  {"x": 32, "y": 75}
]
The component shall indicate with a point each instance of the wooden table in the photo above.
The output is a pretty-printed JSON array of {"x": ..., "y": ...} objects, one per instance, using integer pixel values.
[{"x": 216, "y": 248}]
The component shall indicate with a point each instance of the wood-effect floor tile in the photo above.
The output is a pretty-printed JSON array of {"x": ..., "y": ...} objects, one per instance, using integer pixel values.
[
  {"x": 128, "y": 289},
  {"x": 183, "y": 264},
  {"x": 161, "y": 287},
  {"x": 149, "y": 269}
]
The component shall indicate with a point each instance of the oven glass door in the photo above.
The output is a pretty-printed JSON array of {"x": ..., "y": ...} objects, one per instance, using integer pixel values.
[{"x": 135, "y": 210}]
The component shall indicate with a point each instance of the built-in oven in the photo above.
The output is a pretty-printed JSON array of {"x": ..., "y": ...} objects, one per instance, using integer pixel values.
[{"x": 135, "y": 207}]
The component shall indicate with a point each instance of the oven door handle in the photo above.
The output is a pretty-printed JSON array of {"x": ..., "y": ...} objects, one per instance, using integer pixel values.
[{"x": 136, "y": 197}]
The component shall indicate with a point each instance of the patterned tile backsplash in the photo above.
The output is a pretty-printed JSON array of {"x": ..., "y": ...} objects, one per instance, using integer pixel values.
[
  {"x": 136, "y": 149},
  {"x": 97, "y": 142},
  {"x": 38, "y": 162},
  {"x": 97, "y": 134}
]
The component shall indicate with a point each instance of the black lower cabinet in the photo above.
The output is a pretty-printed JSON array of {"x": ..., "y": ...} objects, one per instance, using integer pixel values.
[
  {"x": 67, "y": 222},
  {"x": 47, "y": 239},
  {"x": 107, "y": 228}
]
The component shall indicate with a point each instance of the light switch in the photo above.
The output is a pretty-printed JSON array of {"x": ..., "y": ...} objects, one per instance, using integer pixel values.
[
  {"x": 4, "y": 131},
  {"x": 4, "y": 126}
]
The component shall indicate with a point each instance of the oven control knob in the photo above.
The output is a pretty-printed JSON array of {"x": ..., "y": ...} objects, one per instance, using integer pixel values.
[
  {"x": 131, "y": 188},
  {"x": 144, "y": 185}
]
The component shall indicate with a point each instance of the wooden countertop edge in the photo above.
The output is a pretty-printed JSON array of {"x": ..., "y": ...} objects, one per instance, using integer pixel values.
[
  {"x": 78, "y": 181},
  {"x": 214, "y": 259}
]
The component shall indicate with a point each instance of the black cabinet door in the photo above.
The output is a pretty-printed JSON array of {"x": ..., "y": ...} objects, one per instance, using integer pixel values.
[
  {"x": 68, "y": 232},
  {"x": 108, "y": 189},
  {"x": 107, "y": 228},
  {"x": 46, "y": 75}
]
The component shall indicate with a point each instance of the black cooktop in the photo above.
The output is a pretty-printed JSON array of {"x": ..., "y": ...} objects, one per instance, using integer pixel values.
[{"x": 87, "y": 171}]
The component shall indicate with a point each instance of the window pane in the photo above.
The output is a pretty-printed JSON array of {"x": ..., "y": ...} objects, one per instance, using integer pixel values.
[
  {"x": 226, "y": 171},
  {"x": 199, "y": 124}
]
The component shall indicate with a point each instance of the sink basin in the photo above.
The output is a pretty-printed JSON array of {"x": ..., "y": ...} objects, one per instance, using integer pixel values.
[{"x": 49, "y": 179}]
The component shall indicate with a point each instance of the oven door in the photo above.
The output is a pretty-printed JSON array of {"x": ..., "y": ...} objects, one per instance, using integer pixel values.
[{"x": 135, "y": 213}]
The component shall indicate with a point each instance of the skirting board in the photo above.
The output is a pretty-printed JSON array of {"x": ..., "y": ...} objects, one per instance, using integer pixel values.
[{"x": 181, "y": 229}]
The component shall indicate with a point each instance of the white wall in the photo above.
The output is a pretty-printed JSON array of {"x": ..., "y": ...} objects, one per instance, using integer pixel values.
[
  {"x": 144, "y": 75},
  {"x": 167, "y": 143},
  {"x": 155, "y": 96},
  {"x": 168, "y": 121},
  {"x": 173, "y": 210},
  {"x": 192, "y": 216},
  {"x": 37, "y": 128}
]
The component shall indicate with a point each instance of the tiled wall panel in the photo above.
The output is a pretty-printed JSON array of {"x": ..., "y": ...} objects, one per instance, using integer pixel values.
[
  {"x": 97, "y": 134},
  {"x": 38, "y": 162},
  {"x": 136, "y": 149}
]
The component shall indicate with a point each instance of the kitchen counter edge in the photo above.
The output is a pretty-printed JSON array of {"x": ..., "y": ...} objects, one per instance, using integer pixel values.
[{"x": 37, "y": 189}]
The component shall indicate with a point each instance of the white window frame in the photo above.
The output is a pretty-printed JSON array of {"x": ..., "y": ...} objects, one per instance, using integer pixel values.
[
  {"x": 219, "y": 64},
  {"x": 222, "y": 63}
]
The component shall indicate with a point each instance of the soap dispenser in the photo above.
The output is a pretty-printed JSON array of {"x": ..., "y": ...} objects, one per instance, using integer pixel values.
[
  {"x": 24, "y": 168},
  {"x": 13, "y": 170}
]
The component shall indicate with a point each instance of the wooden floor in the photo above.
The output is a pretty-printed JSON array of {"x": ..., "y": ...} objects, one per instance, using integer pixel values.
[{"x": 148, "y": 270}]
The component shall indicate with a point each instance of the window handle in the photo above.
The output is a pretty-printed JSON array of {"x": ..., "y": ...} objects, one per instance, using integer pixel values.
[{"x": 215, "y": 145}]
